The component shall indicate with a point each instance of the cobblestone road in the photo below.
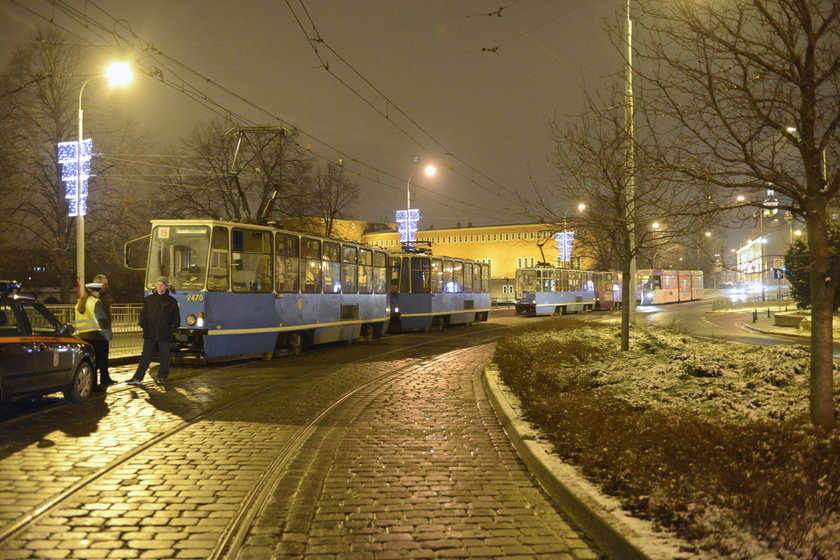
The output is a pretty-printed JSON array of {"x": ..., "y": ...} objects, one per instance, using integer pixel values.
[{"x": 413, "y": 464}]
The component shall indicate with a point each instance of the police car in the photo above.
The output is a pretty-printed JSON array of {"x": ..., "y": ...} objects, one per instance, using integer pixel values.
[{"x": 39, "y": 355}]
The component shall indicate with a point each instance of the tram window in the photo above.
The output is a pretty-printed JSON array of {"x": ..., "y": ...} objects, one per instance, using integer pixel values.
[
  {"x": 332, "y": 267},
  {"x": 380, "y": 272},
  {"x": 561, "y": 280},
  {"x": 394, "y": 284},
  {"x": 349, "y": 269},
  {"x": 405, "y": 275},
  {"x": 437, "y": 276},
  {"x": 420, "y": 276},
  {"x": 476, "y": 283},
  {"x": 365, "y": 271},
  {"x": 448, "y": 269},
  {"x": 181, "y": 253},
  {"x": 217, "y": 276},
  {"x": 485, "y": 278},
  {"x": 251, "y": 259},
  {"x": 311, "y": 265},
  {"x": 468, "y": 278},
  {"x": 287, "y": 262},
  {"x": 457, "y": 276}
]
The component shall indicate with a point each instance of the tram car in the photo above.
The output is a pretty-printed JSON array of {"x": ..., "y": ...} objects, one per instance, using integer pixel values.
[
  {"x": 429, "y": 292},
  {"x": 655, "y": 286},
  {"x": 250, "y": 290},
  {"x": 556, "y": 291},
  {"x": 607, "y": 290},
  {"x": 553, "y": 291}
]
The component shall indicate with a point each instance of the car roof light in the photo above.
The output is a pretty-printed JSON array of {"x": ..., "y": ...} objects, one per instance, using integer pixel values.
[{"x": 9, "y": 287}]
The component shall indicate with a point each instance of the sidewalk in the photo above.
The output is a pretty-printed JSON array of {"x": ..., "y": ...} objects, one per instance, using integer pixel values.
[
  {"x": 615, "y": 531},
  {"x": 766, "y": 325}
]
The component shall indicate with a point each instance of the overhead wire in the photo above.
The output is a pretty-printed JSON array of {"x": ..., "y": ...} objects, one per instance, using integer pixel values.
[
  {"x": 104, "y": 33},
  {"x": 318, "y": 39}
]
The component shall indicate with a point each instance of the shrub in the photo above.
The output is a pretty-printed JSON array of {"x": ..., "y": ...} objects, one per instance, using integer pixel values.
[{"x": 743, "y": 488}]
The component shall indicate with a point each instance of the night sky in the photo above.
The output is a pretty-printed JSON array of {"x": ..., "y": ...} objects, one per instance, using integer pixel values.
[{"x": 470, "y": 85}]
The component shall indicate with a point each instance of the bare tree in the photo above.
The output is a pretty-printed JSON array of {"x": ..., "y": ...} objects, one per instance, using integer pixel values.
[
  {"x": 591, "y": 168},
  {"x": 332, "y": 195},
  {"x": 40, "y": 88},
  {"x": 217, "y": 176},
  {"x": 749, "y": 93}
]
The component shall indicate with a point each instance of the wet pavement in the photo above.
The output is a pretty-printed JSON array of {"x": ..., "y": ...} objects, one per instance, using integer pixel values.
[{"x": 381, "y": 450}]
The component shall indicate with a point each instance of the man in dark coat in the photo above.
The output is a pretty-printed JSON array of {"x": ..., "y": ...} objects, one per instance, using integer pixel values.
[{"x": 159, "y": 317}]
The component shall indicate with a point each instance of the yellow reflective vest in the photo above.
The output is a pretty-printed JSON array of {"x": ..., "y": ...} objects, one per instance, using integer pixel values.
[{"x": 86, "y": 322}]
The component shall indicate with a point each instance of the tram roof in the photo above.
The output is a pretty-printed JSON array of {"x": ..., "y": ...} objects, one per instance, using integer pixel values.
[{"x": 273, "y": 228}]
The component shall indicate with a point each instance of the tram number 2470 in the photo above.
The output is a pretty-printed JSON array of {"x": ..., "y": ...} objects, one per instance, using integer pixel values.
[{"x": 195, "y": 297}]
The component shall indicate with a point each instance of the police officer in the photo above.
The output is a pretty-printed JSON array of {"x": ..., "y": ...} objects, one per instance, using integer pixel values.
[
  {"x": 93, "y": 326},
  {"x": 106, "y": 299}
]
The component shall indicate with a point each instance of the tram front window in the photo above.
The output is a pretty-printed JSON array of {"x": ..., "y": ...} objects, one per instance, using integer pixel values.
[
  {"x": 525, "y": 281},
  {"x": 179, "y": 253}
]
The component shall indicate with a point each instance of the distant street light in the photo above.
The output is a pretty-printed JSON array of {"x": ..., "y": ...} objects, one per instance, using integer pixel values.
[{"x": 118, "y": 74}]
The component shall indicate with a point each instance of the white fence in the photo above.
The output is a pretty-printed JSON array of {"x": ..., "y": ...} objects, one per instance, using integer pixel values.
[{"x": 128, "y": 337}]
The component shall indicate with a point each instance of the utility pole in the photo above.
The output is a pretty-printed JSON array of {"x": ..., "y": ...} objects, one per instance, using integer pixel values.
[{"x": 629, "y": 287}]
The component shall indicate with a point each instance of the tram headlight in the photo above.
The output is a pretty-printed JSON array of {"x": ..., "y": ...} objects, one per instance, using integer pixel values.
[{"x": 196, "y": 321}]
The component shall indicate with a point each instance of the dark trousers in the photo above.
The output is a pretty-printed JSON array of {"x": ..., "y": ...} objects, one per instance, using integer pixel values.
[
  {"x": 146, "y": 358},
  {"x": 100, "y": 353}
]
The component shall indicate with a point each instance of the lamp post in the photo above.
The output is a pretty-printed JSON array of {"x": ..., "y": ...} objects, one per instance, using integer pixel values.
[
  {"x": 117, "y": 74},
  {"x": 630, "y": 170},
  {"x": 429, "y": 170}
]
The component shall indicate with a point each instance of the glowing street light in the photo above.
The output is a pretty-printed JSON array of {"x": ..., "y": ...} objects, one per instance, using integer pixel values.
[
  {"x": 118, "y": 74},
  {"x": 430, "y": 171}
]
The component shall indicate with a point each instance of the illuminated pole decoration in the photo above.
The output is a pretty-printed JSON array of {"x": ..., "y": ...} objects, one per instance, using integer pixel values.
[
  {"x": 77, "y": 183},
  {"x": 75, "y": 170},
  {"x": 564, "y": 245},
  {"x": 407, "y": 219}
]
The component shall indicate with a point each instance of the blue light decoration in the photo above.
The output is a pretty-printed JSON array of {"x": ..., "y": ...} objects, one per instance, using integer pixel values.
[
  {"x": 407, "y": 228},
  {"x": 564, "y": 245},
  {"x": 69, "y": 159}
]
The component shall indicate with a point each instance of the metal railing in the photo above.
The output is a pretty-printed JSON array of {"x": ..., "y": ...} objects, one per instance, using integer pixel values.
[
  {"x": 754, "y": 303},
  {"x": 128, "y": 337}
]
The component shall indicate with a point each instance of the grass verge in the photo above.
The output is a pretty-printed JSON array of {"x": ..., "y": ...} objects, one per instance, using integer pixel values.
[{"x": 707, "y": 439}]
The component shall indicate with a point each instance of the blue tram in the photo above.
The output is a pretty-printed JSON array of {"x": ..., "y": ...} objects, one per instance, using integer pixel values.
[
  {"x": 553, "y": 291},
  {"x": 250, "y": 290},
  {"x": 428, "y": 292}
]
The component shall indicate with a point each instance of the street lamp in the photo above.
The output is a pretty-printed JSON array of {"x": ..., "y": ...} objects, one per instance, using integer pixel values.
[
  {"x": 429, "y": 170},
  {"x": 117, "y": 74},
  {"x": 630, "y": 170}
]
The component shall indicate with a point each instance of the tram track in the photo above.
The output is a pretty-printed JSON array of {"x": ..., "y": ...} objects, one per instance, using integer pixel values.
[{"x": 233, "y": 535}]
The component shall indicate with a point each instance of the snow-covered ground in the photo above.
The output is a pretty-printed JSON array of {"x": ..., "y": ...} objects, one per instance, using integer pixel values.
[{"x": 731, "y": 382}]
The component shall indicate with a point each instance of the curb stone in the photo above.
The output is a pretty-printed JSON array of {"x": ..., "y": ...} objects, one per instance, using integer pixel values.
[{"x": 600, "y": 517}]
